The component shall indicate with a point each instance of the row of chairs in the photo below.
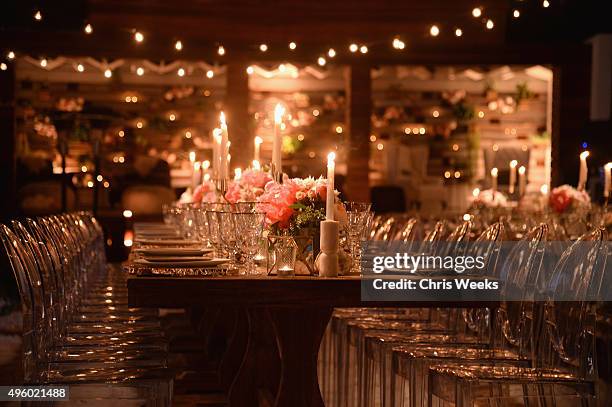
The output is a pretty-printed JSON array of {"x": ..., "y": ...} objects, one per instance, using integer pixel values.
[
  {"x": 520, "y": 353},
  {"x": 77, "y": 327}
]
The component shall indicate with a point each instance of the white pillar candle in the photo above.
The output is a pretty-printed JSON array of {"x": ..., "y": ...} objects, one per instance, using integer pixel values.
[
  {"x": 522, "y": 180},
  {"x": 257, "y": 152},
  {"x": 216, "y": 153},
  {"x": 607, "y": 179},
  {"x": 192, "y": 157},
  {"x": 237, "y": 174},
  {"x": 195, "y": 175},
  {"x": 330, "y": 199},
  {"x": 277, "y": 163},
  {"x": 582, "y": 177},
  {"x": 327, "y": 261},
  {"x": 256, "y": 165},
  {"x": 513, "y": 165},
  {"x": 494, "y": 173},
  {"x": 224, "y": 148}
]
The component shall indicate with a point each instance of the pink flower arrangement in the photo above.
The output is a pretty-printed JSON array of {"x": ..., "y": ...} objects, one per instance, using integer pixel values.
[
  {"x": 567, "y": 198},
  {"x": 204, "y": 193},
  {"x": 491, "y": 199},
  {"x": 294, "y": 204},
  {"x": 250, "y": 185}
]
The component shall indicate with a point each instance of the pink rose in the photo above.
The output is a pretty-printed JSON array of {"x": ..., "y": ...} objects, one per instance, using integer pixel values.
[
  {"x": 560, "y": 201},
  {"x": 299, "y": 195}
]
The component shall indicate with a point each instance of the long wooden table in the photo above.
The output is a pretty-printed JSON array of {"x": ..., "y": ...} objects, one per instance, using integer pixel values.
[{"x": 293, "y": 311}]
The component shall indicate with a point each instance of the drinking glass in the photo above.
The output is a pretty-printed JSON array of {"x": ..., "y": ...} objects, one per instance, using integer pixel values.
[
  {"x": 248, "y": 227},
  {"x": 282, "y": 254},
  {"x": 226, "y": 228},
  {"x": 358, "y": 215}
]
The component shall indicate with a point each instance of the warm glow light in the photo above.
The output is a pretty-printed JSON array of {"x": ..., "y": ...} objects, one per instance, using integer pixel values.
[
  {"x": 315, "y": 112},
  {"x": 545, "y": 4},
  {"x": 422, "y": 130},
  {"x": 339, "y": 129},
  {"x": 178, "y": 45},
  {"x": 516, "y": 14},
  {"x": 138, "y": 36},
  {"x": 457, "y": 174},
  {"x": 331, "y": 53},
  {"x": 256, "y": 165},
  {"x": 90, "y": 184},
  {"x": 490, "y": 24},
  {"x": 250, "y": 70},
  {"x": 221, "y": 50},
  {"x": 188, "y": 134},
  {"x": 458, "y": 32},
  {"x": 3, "y": 66},
  {"x": 108, "y": 73},
  {"x": 88, "y": 29},
  {"x": 435, "y": 113},
  {"x": 513, "y": 164},
  {"x": 83, "y": 168},
  {"x": 353, "y": 47},
  {"x": 447, "y": 174},
  {"x": 172, "y": 117},
  {"x": 477, "y": 12},
  {"x": 127, "y": 213},
  {"x": 10, "y": 55},
  {"x": 584, "y": 155},
  {"x": 140, "y": 71},
  {"x": 210, "y": 74},
  {"x": 121, "y": 133},
  {"x": 455, "y": 147},
  {"x": 522, "y": 170},
  {"x": 481, "y": 114},
  {"x": 544, "y": 189},
  {"x": 139, "y": 124},
  {"x": 43, "y": 62},
  {"x": 100, "y": 178},
  {"x": 494, "y": 172},
  {"x": 495, "y": 147},
  {"x": 38, "y": 15},
  {"x": 373, "y": 138},
  {"x": 181, "y": 72},
  {"x": 476, "y": 192},
  {"x": 279, "y": 111},
  {"x": 331, "y": 157},
  {"x": 106, "y": 184},
  {"x": 263, "y": 47},
  {"x": 205, "y": 165},
  {"x": 237, "y": 173},
  {"x": 363, "y": 49},
  {"x": 321, "y": 61},
  {"x": 300, "y": 137},
  {"x": 222, "y": 119},
  {"x": 380, "y": 146},
  {"x": 407, "y": 130},
  {"x": 434, "y": 31},
  {"x": 80, "y": 68},
  {"x": 292, "y": 45},
  {"x": 398, "y": 44},
  {"x": 466, "y": 217},
  {"x": 192, "y": 156}
]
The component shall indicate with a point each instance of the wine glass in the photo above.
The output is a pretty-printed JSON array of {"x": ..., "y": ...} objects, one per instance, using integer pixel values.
[
  {"x": 358, "y": 215},
  {"x": 248, "y": 227}
]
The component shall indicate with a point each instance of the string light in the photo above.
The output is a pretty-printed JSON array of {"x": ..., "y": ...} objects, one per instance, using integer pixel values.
[
  {"x": 545, "y": 4},
  {"x": 10, "y": 55},
  {"x": 363, "y": 49},
  {"x": 178, "y": 46},
  {"x": 353, "y": 47},
  {"x": 490, "y": 24},
  {"x": 321, "y": 61},
  {"x": 477, "y": 12},
  {"x": 221, "y": 50},
  {"x": 516, "y": 14},
  {"x": 108, "y": 73},
  {"x": 80, "y": 68},
  {"x": 3, "y": 66},
  {"x": 458, "y": 32},
  {"x": 140, "y": 71},
  {"x": 398, "y": 44},
  {"x": 250, "y": 70},
  {"x": 138, "y": 37},
  {"x": 43, "y": 62},
  {"x": 181, "y": 72},
  {"x": 38, "y": 15},
  {"x": 263, "y": 47},
  {"x": 434, "y": 31},
  {"x": 88, "y": 29},
  {"x": 210, "y": 74},
  {"x": 331, "y": 53},
  {"x": 292, "y": 45}
]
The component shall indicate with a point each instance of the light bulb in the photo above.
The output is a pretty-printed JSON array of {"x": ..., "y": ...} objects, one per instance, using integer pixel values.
[
  {"x": 490, "y": 24},
  {"x": 434, "y": 31},
  {"x": 331, "y": 53},
  {"x": 10, "y": 55},
  {"x": 3, "y": 66},
  {"x": 178, "y": 45},
  {"x": 88, "y": 29},
  {"x": 292, "y": 45},
  {"x": 80, "y": 68},
  {"x": 43, "y": 62},
  {"x": 38, "y": 15},
  {"x": 108, "y": 73},
  {"x": 250, "y": 70},
  {"x": 181, "y": 72},
  {"x": 477, "y": 12},
  {"x": 516, "y": 14},
  {"x": 545, "y": 4},
  {"x": 140, "y": 71},
  {"x": 353, "y": 47},
  {"x": 138, "y": 36},
  {"x": 263, "y": 47},
  {"x": 221, "y": 50},
  {"x": 363, "y": 49},
  {"x": 210, "y": 74},
  {"x": 321, "y": 61},
  {"x": 458, "y": 32}
]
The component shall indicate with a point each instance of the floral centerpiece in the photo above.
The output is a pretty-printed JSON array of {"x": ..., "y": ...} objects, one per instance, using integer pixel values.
[
  {"x": 490, "y": 198},
  {"x": 566, "y": 199},
  {"x": 205, "y": 192},
  {"x": 248, "y": 187}
]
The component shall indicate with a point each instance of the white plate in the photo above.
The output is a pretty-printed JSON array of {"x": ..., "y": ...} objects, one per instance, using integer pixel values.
[
  {"x": 181, "y": 264},
  {"x": 173, "y": 251}
]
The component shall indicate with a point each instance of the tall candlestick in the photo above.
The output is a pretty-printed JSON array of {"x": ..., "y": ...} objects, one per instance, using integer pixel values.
[
  {"x": 224, "y": 148},
  {"x": 277, "y": 165},
  {"x": 216, "y": 152},
  {"x": 258, "y": 140},
  {"x": 195, "y": 175},
  {"x": 607, "y": 180},
  {"x": 513, "y": 165},
  {"x": 494, "y": 172},
  {"x": 192, "y": 158},
  {"x": 582, "y": 177},
  {"x": 330, "y": 199},
  {"x": 522, "y": 180},
  {"x": 256, "y": 165}
]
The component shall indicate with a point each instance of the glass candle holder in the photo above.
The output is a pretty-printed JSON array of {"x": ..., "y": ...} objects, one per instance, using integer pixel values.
[{"x": 282, "y": 253}]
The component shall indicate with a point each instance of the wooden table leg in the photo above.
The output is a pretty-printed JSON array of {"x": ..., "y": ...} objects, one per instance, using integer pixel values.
[{"x": 299, "y": 332}]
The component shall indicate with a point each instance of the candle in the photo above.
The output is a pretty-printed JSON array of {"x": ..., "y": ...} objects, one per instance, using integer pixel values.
[
  {"x": 607, "y": 180},
  {"x": 192, "y": 158},
  {"x": 330, "y": 199},
  {"x": 195, "y": 175},
  {"x": 277, "y": 165},
  {"x": 256, "y": 155},
  {"x": 582, "y": 178},
  {"x": 494, "y": 172},
  {"x": 513, "y": 165},
  {"x": 224, "y": 148},
  {"x": 256, "y": 165},
  {"x": 237, "y": 173},
  {"x": 522, "y": 180},
  {"x": 216, "y": 152}
]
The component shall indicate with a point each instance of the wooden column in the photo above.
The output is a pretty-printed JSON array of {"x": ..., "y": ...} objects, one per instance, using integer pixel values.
[
  {"x": 359, "y": 95},
  {"x": 571, "y": 98},
  {"x": 8, "y": 159},
  {"x": 237, "y": 107}
]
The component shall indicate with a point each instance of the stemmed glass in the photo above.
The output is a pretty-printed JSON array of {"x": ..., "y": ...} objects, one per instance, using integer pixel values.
[
  {"x": 248, "y": 228},
  {"x": 358, "y": 215}
]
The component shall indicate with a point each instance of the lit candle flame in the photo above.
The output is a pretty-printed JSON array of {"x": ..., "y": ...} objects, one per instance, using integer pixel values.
[
  {"x": 494, "y": 171},
  {"x": 513, "y": 163},
  {"x": 222, "y": 119},
  {"x": 521, "y": 170},
  {"x": 206, "y": 165},
  {"x": 476, "y": 192},
  {"x": 279, "y": 111},
  {"x": 192, "y": 156},
  {"x": 584, "y": 155},
  {"x": 256, "y": 165},
  {"x": 258, "y": 140},
  {"x": 331, "y": 157}
]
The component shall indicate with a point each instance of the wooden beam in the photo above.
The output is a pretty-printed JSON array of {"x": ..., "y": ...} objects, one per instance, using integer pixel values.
[
  {"x": 8, "y": 158},
  {"x": 359, "y": 92},
  {"x": 237, "y": 105}
]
